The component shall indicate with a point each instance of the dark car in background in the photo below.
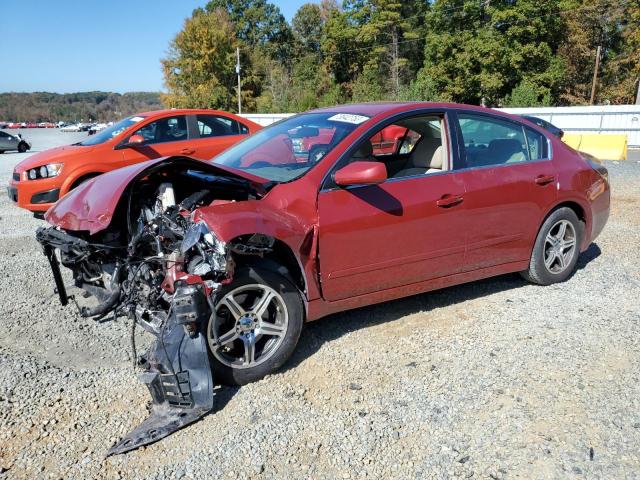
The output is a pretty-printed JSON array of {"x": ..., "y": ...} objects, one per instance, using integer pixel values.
[
  {"x": 549, "y": 127},
  {"x": 13, "y": 142}
]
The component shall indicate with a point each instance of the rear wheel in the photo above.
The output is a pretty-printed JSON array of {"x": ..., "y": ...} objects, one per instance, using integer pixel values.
[
  {"x": 22, "y": 147},
  {"x": 256, "y": 327},
  {"x": 557, "y": 248}
]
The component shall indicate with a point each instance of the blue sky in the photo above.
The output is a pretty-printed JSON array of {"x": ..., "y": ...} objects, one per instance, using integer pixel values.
[{"x": 72, "y": 45}]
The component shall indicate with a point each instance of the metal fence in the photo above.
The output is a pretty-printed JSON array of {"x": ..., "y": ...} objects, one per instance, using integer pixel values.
[{"x": 618, "y": 119}]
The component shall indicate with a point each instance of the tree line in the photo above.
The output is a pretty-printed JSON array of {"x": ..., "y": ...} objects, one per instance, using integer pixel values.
[
  {"x": 75, "y": 107},
  {"x": 490, "y": 52}
]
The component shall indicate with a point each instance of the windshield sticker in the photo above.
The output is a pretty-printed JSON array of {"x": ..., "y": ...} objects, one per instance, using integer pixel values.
[
  {"x": 349, "y": 118},
  {"x": 136, "y": 119}
]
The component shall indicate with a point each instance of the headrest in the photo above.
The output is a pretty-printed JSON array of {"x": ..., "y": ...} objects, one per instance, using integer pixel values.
[
  {"x": 422, "y": 155},
  {"x": 505, "y": 146},
  {"x": 365, "y": 151},
  {"x": 436, "y": 159}
]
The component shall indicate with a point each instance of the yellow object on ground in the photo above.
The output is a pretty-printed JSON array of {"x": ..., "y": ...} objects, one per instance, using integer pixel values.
[{"x": 601, "y": 146}]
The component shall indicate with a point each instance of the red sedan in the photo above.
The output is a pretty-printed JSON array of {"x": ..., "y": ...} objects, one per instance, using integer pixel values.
[{"x": 240, "y": 251}]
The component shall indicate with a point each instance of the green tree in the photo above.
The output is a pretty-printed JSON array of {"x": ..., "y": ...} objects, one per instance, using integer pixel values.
[
  {"x": 199, "y": 70},
  {"x": 308, "y": 27},
  {"x": 479, "y": 52},
  {"x": 528, "y": 94},
  {"x": 258, "y": 23}
]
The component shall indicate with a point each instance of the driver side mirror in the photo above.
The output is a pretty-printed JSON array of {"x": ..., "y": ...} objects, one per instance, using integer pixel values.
[
  {"x": 361, "y": 173},
  {"x": 134, "y": 141}
]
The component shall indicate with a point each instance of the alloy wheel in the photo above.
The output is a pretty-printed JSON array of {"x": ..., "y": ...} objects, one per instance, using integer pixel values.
[
  {"x": 559, "y": 246},
  {"x": 250, "y": 326}
]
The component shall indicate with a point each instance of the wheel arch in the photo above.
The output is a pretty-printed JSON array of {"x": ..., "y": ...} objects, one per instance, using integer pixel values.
[
  {"x": 76, "y": 179},
  {"x": 582, "y": 212},
  {"x": 280, "y": 255}
]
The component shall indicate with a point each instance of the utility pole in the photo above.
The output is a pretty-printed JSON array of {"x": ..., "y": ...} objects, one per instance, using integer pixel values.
[
  {"x": 595, "y": 77},
  {"x": 638, "y": 94},
  {"x": 238, "y": 72}
]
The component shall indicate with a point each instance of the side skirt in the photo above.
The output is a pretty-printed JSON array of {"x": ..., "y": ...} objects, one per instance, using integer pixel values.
[{"x": 320, "y": 308}]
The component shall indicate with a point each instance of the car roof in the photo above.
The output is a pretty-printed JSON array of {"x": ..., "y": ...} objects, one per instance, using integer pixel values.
[
  {"x": 371, "y": 109},
  {"x": 184, "y": 111}
]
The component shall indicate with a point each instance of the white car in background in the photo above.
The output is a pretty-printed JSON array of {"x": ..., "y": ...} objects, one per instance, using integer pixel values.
[
  {"x": 76, "y": 127},
  {"x": 96, "y": 127}
]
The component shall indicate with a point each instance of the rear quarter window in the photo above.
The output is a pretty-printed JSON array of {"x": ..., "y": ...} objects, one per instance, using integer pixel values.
[{"x": 537, "y": 144}]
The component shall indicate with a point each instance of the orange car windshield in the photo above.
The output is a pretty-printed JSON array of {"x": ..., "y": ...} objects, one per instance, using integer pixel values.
[{"x": 111, "y": 131}]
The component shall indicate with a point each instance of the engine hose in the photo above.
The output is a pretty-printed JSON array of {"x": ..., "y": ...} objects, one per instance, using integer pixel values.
[
  {"x": 110, "y": 303},
  {"x": 104, "y": 307}
]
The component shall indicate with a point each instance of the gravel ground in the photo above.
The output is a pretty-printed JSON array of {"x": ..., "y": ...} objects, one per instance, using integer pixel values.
[{"x": 495, "y": 379}]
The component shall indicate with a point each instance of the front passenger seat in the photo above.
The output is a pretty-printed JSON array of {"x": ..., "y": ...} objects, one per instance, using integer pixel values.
[
  {"x": 426, "y": 157},
  {"x": 364, "y": 153}
]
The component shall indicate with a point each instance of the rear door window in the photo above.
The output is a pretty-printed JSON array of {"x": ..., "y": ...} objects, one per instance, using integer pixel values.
[
  {"x": 218, "y": 126},
  {"x": 492, "y": 141}
]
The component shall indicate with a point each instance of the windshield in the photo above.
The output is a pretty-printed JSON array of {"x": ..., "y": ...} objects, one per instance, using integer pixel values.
[
  {"x": 110, "y": 132},
  {"x": 287, "y": 149}
]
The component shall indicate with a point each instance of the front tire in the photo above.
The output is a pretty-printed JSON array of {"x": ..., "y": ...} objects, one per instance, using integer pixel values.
[
  {"x": 557, "y": 248},
  {"x": 256, "y": 328},
  {"x": 22, "y": 147}
]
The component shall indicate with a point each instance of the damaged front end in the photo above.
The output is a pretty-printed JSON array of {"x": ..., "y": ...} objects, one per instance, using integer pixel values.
[{"x": 154, "y": 264}]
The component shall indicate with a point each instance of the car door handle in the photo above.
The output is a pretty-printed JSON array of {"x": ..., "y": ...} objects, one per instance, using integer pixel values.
[
  {"x": 187, "y": 151},
  {"x": 543, "y": 180},
  {"x": 449, "y": 200}
]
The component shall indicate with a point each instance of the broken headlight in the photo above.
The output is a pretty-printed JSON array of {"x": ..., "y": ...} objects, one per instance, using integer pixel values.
[{"x": 209, "y": 248}]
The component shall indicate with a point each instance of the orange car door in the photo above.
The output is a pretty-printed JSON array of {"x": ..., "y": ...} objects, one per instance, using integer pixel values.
[
  {"x": 163, "y": 137},
  {"x": 215, "y": 133}
]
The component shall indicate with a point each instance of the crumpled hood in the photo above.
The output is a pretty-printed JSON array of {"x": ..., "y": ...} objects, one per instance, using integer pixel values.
[
  {"x": 90, "y": 206},
  {"x": 53, "y": 155}
]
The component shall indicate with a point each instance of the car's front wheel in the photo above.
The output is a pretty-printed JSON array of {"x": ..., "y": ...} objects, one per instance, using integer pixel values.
[
  {"x": 22, "y": 147},
  {"x": 555, "y": 253},
  {"x": 256, "y": 326}
]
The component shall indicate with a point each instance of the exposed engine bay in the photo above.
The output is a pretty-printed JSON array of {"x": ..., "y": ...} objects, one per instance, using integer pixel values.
[{"x": 157, "y": 266}]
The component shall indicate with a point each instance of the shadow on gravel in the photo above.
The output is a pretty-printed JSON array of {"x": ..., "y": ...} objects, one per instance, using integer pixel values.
[
  {"x": 315, "y": 334},
  {"x": 224, "y": 394},
  {"x": 591, "y": 253}
]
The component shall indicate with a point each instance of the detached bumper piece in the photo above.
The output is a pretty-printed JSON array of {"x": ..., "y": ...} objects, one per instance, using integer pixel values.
[{"x": 178, "y": 374}]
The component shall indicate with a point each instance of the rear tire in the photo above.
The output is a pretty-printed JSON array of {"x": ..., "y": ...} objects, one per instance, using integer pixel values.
[
  {"x": 22, "y": 147},
  {"x": 557, "y": 248},
  {"x": 251, "y": 342}
]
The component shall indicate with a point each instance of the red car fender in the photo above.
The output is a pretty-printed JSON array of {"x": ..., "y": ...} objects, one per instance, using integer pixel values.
[{"x": 270, "y": 217}]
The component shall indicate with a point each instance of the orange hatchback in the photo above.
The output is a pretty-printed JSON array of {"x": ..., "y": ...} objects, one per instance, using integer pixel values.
[{"x": 40, "y": 180}]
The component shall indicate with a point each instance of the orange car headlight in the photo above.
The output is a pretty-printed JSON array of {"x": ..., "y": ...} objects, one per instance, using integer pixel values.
[{"x": 46, "y": 171}]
